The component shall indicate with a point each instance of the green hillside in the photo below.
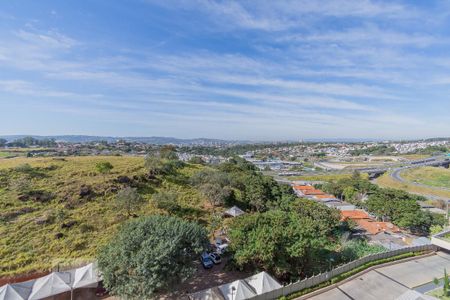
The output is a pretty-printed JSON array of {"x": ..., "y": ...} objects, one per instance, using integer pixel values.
[{"x": 55, "y": 210}]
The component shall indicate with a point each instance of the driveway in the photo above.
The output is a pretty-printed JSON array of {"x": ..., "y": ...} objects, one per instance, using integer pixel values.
[{"x": 391, "y": 282}]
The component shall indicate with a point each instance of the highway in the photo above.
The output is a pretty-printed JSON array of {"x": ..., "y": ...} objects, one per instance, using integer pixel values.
[{"x": 396, "y": 175}]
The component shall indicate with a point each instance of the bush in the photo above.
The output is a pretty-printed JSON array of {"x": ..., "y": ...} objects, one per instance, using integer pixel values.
[{"x": 149, "y": 255}]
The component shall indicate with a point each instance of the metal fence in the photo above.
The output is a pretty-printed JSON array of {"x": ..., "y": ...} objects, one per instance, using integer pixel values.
[{"x": 323, "y": 277}]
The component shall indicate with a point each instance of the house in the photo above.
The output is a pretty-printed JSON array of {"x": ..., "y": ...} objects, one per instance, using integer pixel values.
[
  {"x": 356, "y": 214},
  {"x": 325, "y": 198},
  {"x": 374, "y": 227},
  {"x": 342, "y": 206},
  {"x": 301, "y": 189}
]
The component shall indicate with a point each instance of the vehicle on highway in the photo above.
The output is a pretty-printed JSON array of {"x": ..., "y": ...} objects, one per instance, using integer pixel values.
[{"x": 206, "y": 260}]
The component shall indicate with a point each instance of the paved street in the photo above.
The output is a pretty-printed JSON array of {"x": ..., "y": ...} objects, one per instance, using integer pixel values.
[{"x": 392, "y": 281}]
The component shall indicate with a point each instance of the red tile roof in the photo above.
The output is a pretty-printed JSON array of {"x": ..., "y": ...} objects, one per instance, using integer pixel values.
[
  {"x": 356, "y": 214},
  {"x": 303, "y": 187},
  {"x": 374, "y": 227}
]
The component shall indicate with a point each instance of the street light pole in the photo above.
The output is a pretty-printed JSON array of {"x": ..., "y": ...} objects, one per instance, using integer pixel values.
[
  {"x": 446, "y": 212},
  {"x": 232, "y": 292}
]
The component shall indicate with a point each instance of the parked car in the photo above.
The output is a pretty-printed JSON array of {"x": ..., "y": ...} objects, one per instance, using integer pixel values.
[
  {"x": 215, "y": 258},
  {"x": 206, "y": 261},
  {"x": 221, "y": 245},
  {"x": 221, "y": 249}
]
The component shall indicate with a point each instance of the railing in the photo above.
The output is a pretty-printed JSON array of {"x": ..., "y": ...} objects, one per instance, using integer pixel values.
[
  {"x": 440, "y": 239},
  {"x": 323, "y": 277}
]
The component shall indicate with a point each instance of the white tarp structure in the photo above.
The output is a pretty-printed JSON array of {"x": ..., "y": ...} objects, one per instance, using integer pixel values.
[
  {"x": 263, "y": 283},
  {"x": 16, "y": 291},
  {"x": 234, "y": 211},
  {"x": 50, "y": 285},
  {"x": 86, "y": 276},
  {"x": 237, "y": 290},
  {"x": 209, "y": 294}
]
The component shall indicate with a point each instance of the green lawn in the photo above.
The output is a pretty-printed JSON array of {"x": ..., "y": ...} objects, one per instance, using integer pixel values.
[
  {"x": 387, "y": 181},
  {"x": 438, "y": 177}
]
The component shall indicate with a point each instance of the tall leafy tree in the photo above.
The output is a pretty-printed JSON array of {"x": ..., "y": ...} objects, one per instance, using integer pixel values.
[
  {"x": 150, "y": 255},
  {"x": 283, "y": 242}
]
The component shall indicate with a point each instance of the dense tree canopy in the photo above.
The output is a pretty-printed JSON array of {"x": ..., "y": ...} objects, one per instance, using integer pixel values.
[
  {"x": 238, "y": 182},
  {"x": 150, "y": 255},
  {"x": 402, "y": 209},
  {"x": 399, "y": 207},
  {"x": 283, "y": 242}
]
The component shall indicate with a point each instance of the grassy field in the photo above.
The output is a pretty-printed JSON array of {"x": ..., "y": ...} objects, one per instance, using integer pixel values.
[
  {"x": 438, "y": 177},
  {"x": 63, "y": 224},
  {"x": 388, "y": 182}
]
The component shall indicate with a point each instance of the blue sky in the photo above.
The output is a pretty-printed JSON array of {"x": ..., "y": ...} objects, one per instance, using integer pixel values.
[{"x": 260, "y": 70}]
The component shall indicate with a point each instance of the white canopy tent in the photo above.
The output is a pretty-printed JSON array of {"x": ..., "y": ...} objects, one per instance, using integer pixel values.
[
  {"x": 86, "y": 276},
  {"x": 16, "y": 291},
  {"x": 237, "y": 290},
  {"x": 50, "y": 285},
  {"x": 234, "y": 211},
  {"x": 209, "y": 294},
  {"x": 263, "y": 283}
]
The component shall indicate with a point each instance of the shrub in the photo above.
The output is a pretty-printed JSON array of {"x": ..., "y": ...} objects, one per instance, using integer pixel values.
[{"x": 149, "y": 255}]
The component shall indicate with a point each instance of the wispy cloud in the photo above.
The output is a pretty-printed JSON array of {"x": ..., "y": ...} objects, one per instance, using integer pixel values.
[{"x": 246, "y": 68}]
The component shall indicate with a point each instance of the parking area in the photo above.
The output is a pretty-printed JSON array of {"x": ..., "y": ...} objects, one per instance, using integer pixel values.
[
  {"x": 336, "y": 294},
  {"x": 418, "y": 272},
  {"x": 204, "y": 279},
  {"x": 391, "y": 282}
]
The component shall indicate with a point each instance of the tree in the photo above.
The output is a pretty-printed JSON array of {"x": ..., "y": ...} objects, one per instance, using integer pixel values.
[
  {"x": 350, "y": 194},
  {"x": 129, "y": 200},
  {"x": 435, "y": 229},
  {"x": 214, "y": 185},
  {"x": 154, "y": 165},
  {"x": 197, "y": 160},
  {"x": 215, "y": 194},
  {"x": 168, "y": 152},
  {"x": 158, "y": 164},
  {"x": 167, "y": 201},
  {"x": 284, "y": 243},
  {"x": 104, "y": 167},
  {"x": 3, "y": 142},
  {"x": 150, "y": 255}
]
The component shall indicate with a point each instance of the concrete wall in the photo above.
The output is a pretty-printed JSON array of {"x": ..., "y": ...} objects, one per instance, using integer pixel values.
[{"x": 438, "y": 240}]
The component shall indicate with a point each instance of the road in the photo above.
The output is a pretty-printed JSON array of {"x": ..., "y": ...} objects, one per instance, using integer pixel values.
[
  {"x": 396, "y": 175},
  {"x": 390, "y": 282}
]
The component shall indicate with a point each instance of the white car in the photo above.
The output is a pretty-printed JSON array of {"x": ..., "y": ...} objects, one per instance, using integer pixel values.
[{"x": 221, "y": 249}]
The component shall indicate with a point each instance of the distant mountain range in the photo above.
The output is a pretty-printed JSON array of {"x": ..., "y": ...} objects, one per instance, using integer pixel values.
[
  {"x": 156, "y": 140},
  {"x": 161, "y": 140}
]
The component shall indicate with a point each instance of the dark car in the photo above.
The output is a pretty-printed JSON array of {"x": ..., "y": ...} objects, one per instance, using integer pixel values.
[
  {"x": 206, "y": 261},
  {"x": 215, "y": 258}
]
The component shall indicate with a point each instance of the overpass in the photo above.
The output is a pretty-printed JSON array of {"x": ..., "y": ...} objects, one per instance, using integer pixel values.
[{"x": 437, "y": 161}]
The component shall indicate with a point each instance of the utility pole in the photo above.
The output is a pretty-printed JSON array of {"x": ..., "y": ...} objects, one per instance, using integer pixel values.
[{"x": 446, "y": 212}]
